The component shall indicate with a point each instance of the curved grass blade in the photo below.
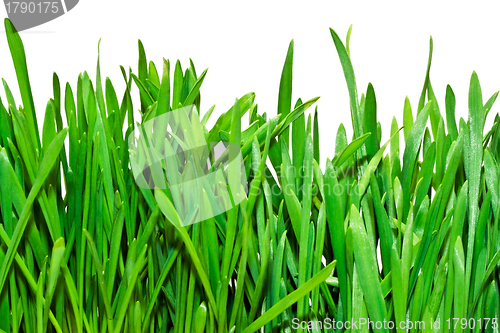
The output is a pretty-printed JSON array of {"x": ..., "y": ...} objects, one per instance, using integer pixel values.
[
  {"x": 351, "y": 86},
  {"x": 55, "y": 268},
  {"x": 169, "y": 211},
  {"x": 290, "y": 299},
  {"x": 45, "y": 167},
  {"x": 372, "y": 166},
  {"x": 101, "y": 278},
  {"x": 410, "y": 155},
  {"x": 350, "y": 150},
  {"x": 421, "y": 101}
]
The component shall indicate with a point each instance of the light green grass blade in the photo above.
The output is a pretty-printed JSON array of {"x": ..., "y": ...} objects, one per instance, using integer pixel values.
[
  {"x": 367, "y": 268},
  {"x": 474, "y": 162},
  {"x": 350, "y": 149},
  {"x": 410, "y": 154},
  {"x": 45, "y": 167},
  {"x": 19, "y": 58},
  {"x": 351, "y": 86}
]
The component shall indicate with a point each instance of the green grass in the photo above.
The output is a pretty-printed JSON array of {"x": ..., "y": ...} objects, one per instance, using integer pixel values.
[{"x": 83, "y": 248}]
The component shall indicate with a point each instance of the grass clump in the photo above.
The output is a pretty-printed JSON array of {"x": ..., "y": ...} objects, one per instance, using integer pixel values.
[{"x": 84, "y": 247}]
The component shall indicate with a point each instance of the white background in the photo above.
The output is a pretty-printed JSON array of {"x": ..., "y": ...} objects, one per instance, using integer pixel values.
[{"x": 244, "y": 46}]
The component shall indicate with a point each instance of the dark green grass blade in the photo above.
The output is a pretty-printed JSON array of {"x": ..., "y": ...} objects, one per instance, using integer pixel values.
[
  {"x": 316, "y": 136},
  {"x": 370, "y": 122},
  {"x": 451, "y": 123},
  {"x": 285, "y": 89}
]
